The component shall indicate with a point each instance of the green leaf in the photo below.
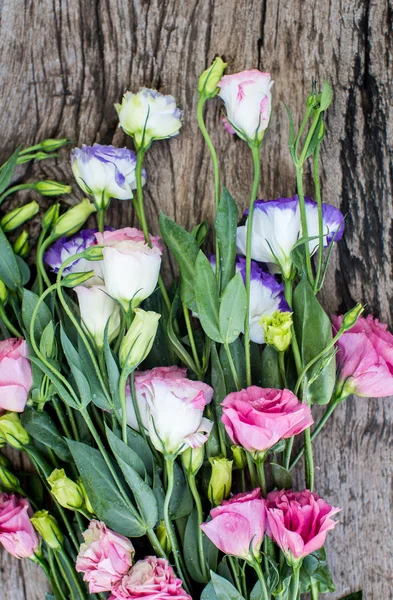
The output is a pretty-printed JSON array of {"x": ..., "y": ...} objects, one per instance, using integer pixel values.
[
  {"x": 9, "y": 270},
  {"x": 113, "y": 372},
  {"x": 314, "y": 333},
  {"x": 142, "y": 449},
  {"x": 282, "y": 477},
  {"x": 315, "y": 566},
  {"x": 104, "y": 495},
  {"x": 199, "y": 233},
  {"x": 126, "y": 454},
  {"x": 233, "y": 309},
  {"x": 97, "y": 393},
  {"x": 237, "y": 353},
  {"x": 47, "y": 341},
  {"x": 43, "y": 318},
  {"x": 24, "y": 269},
  {"x": 178, "y": 347},
  {"x": 208, "y": 592},
  {"x": 8, "y": 169},
  {"x": 181, "y": 503},
  {"x": 225, "y": 226},
  {"x": 223, "y": 589},
  {"x": 190, "y": 548},
  {"x": 206, "y": 296},
  {"x": 41, "y": 427},
  {"x": 326, "y": 96},
  {"x": 185, "y": 249},
  {"x": 76, "y": 369},
  {"x": 61, "y": 390},
  {"x": 270, "y": 370}
]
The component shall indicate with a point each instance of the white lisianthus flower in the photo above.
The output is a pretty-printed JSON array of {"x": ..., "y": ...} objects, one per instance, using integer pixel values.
[
  {"x": 105, "y": 172},
  {"x": 160, "y": 399},
  {"x": 248, "y": 103},
  {"x": 149, "y": 115},
  {"x": 96, "y": 309}
]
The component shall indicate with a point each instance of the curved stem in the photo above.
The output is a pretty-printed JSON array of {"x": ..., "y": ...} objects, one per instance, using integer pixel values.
[
  {"x": 40, "y": 264},
  {"x": 255, "y": 149},
  {"x": 232, "y": 367},
  {"x": 11, "y": 328},
  {"x": 169, "y": 463},
  {"x": 16, "y": 188},
  {"x": 257, "y": 567},
  {"x": 192, "y": 340},
  {"x": 315, "y": 359},
  {"x": 198, "y": 504}
]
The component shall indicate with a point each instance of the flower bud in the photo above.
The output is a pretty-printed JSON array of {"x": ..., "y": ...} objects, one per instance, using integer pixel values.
[
  {"x": 72, "y": 220},
  {"x": 277, "y": 329},
  {"x": 20, "y": 215},
  {"x": 192, "y": 459},
  {"x": 51, "y": 216},
  {"x": 220, "y": 483},
  {"x": 88, "y": 506},
  {"x": 47, "y": 527},
  {"x": 67, "y": 493},
  {"x": 12, "y": 432},
  {"x": 4, "y": 462},
  {"x": 3, "y": 292},
  {"x": 139, "y": 339},
  {"x": 239, "y": 457},
  {"x": 21, "y": 245},
  {"x": 50, "y": 145},
  {"x": 208, "y": 81},
  {"x": 163, "y": 538},
  {"x": 74, "y": 279},
  {"x": 52, "y": 188},
  {"x": 326, "y": 96},
  {"x": 8, "y": 481},
  {"x": 350, "y": 318}
]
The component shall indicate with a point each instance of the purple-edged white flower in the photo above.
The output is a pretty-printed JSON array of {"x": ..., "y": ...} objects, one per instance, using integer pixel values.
[
  {"x": 64, "y": 247},
  {"x": 266, "y": 297},
  {"x": 149, "y": 115},
  {"x": 277, "y": 228},
  {"x": 105, "y": 172}
]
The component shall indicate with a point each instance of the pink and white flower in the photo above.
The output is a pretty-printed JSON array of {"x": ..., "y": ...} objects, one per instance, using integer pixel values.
[
  {"x": 17, "y": 534},
  {"x": 15, "y": 374}
]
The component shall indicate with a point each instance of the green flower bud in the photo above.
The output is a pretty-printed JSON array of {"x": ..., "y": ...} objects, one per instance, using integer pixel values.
[
  {"x": 24, "y": 158},
  {"x": 88, "y": 506},
  {"x": 67, "y": 492},
  {"x": 52, "y": 188},
  {"x": 3, "y": 292},
  {"x": 163, "y": 538},
  {"x": 277, "y": 329},
  {"x": 15, "y": 218},
  {"x": 73, "y": 279},
  {"x": 220, "y": 483},
  {"x": 208, "y": 81},
  {"x": 326, "y": 96},
  {"x": 139, "y": 339},
  {"x": 93, "y": 253},
  {"x": 21, "y": 245},
  {"x": 73, "y": 219},
  {"x": 51, "y": 216},
  {"x": 50, "y": 145},
  {"x": 47, "y": 527},
  {"x": 12, "y": 432},
  {"x": 192, "y": 459},
  {"x": 239, "y": 457},
  {"x": 4, "y": 462},
  {"x": 350, "y": 318},
  {"x": 8, "y": 481}
]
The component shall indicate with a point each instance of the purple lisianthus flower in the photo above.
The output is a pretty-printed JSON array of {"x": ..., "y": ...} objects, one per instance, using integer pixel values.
[
  {"x": 277, "y": 228},
  {"x": 105, "y": 172},
  {"x": 65, "y": 247}
]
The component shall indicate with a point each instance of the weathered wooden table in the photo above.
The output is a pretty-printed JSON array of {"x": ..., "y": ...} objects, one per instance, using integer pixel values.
[{"x": 65, "y": 63}]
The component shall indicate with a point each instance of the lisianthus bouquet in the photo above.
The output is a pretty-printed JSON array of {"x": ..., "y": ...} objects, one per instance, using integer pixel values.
[{"x": 163, "y": 424}]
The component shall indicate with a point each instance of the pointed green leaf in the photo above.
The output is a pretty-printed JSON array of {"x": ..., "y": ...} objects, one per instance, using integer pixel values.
[
  {"x": 233, "y": 309},
  {"x": 206, "y": 296},
  {"x": 226, "y": 226}
]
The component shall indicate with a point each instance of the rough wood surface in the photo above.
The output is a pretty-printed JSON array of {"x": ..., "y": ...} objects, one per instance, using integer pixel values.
[{"x": 65, "y": 63}]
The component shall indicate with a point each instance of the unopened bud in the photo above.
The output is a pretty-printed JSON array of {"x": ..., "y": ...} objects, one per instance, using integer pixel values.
[
  {"x": 12, "y": 432},
  {"x": 72, "y": 220},
  {"x": 73, "y": 279},
  {"x": 326, "y": 96},
  {"x": 192, "y": 459},
  {"x": 277, "y": 328},
  {"x": 163, "y": 538},
  {"x": 350, "y": 318},
  {"x": 51, "y": 216},
  {"x": 15, "y": 218},
  {"x": 3, "y": 292},
  {"x": 139, "y": 339},
  {"x": 220, "y": 483},
  {"x": 208, "y": 81},
  {"x": 21, "y": 245},
  {"x": 52, "y": 188},
  {"x": 8, "y": 481},
  {"x": 239, "y": 457},
  {"x": 88, "y": 505},
  {"x": 50, "y": 145},
  {"x": 49, "y": 530},
  {"x": 67, "y": 493}
]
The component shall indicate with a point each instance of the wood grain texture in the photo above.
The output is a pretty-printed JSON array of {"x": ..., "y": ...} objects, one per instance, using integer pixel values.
[{"x": 65, "y": 63}]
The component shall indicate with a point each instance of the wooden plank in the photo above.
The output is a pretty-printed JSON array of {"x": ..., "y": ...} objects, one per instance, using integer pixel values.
[{"x": 65, "y": 63}]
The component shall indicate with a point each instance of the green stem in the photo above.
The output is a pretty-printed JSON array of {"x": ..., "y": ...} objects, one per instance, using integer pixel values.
[
  {"x": 16, "y": 188},
  {"x": 123, "y": 405},
  {"x": 260, "y": 463},
  {"x": 317, "y": 186},
  {"x": 314, "y": 589},
  {"x": 11, "y": 328},
  {"x": 309, "y": 459},
  {"x": 232, "y": 367},
  {"x": 54, "y": 575},
  {"x": 198, "y": 504},
  {"x": 41, "y": 248},
  {"x": 140, "y": 210},
  {"x": 216, "y": 171},
  {"x": 255, "y": 150},
  {"x": 101, "y": 219},
  {"x": 303, "y": 219},
  {"x": 244, "y": 581},
  {"x": 74, "y": 576},
  {"x": 60, "y": 415},
  {"x": 288, "y": 452},
  {"x": 257, "y": 567},
  {"x": 235, "y": 572},
  {"x": 192, "y": 340},
  {"x": 302, "y": 127},
  {"x": 251, "y": 470},
  {"x": 293, "y": 591},
  {"x": 281, "y": 366},
  {"x": 180, "y": 566}
]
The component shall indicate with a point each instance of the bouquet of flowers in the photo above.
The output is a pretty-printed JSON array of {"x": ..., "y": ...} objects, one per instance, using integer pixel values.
[{"x": 163, "y": 424}]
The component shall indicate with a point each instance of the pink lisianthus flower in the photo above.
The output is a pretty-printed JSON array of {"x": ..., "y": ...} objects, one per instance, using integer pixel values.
[
  {"x": 127, "y": 234},
  {"x": 15, "y": 374},
  {"x": 237, "y": 523},
  {"x": 257, "y": 418},
  {"x": 248, "y": 101},
  {"x": 365, "y": 359},
  {"x": 298, "y": 522},
  {"x": 104, "y": 558},
  {"x": 163, "y": 393},
  {"x": 17, "y": 533},
  {"x": 151, "y": 578}
]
